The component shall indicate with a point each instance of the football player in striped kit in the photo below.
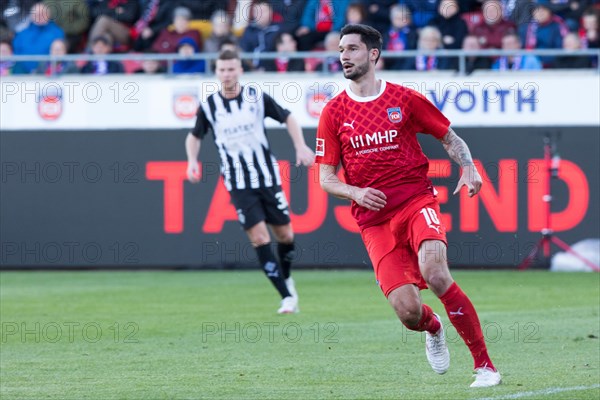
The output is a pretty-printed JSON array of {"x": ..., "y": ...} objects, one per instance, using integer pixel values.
[{"x": 250, "y": 172}]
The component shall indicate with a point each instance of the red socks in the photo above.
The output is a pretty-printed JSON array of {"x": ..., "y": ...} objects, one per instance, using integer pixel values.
[
  {"x": 428, "y": 322},
  {"x": 463, "y": 316}
]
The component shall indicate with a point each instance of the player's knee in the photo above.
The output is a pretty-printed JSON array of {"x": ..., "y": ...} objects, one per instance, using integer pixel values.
[
  {"x": 410, "y": 317},
  {"x": 285, "y": 237},
  {"x": 260, "y": 239},
  {"x": 438, "y": 279},
  {"x": 409, "y": 313},
  {"x": 284, "y": 233}
]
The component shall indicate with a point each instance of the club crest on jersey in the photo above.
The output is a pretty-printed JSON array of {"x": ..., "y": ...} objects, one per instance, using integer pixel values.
[{"x": 394, "y": 114}]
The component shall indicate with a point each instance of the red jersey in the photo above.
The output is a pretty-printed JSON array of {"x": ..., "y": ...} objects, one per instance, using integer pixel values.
[{"x": 375, "y": 139}]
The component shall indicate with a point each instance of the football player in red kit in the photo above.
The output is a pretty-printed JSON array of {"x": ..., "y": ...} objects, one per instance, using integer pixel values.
[{"x": 370, "y": 129}]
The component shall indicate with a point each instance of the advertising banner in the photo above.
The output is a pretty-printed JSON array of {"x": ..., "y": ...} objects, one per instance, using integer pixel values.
[
  {"x": 134, "y": 102},
  {"x": 121, "y": 199}
]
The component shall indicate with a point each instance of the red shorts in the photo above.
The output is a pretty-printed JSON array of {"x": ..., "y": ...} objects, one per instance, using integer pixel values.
[{"x": 393, "y": 245}]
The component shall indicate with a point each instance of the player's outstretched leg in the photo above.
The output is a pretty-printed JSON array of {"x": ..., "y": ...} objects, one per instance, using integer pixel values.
[
  {"x": 420, "y": 317},
  {"x": 463, "y": 316}
]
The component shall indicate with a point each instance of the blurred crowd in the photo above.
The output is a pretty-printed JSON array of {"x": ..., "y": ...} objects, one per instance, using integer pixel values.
[{"x": 188, "y": 27}]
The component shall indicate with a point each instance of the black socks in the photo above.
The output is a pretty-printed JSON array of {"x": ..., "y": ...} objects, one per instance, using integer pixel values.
[
  {"x": 271, "y": 268},
  {"x": 287, "y": 253}
]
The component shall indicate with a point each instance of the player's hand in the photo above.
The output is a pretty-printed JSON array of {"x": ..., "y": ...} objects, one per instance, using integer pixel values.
[
  {"x": 305, "y": 156},
  {"x": 370, "y": 198},
  {"x": 471, "y": 179},
  {"x": 193, "y": 171}
]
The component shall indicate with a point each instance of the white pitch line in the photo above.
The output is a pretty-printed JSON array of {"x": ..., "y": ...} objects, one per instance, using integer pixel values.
[{"x": 540, "y": 392}]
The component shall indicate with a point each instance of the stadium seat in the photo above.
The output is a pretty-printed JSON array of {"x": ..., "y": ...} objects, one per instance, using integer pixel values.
[{"x": 202, "y": 26}]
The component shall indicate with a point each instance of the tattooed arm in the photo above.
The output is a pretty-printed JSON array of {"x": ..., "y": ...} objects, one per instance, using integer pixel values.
[{"x": 459, "y": 151}]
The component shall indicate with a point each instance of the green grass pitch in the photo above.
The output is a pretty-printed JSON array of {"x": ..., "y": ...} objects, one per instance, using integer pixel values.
[{"x": 215, "y": 335}]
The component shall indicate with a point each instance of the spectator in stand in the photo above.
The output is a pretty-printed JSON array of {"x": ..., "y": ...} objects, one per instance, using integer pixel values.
[
  {"x": 157, "y": 15},
  {"x": 286, "y": 45},
  {"x": 430, "y": 38},
  {"x": 242, "y": 15},
  {"x": 590, "y": 29},
  {"x": 259, "y": 36},
  {"x": 471, "y": 43},
  {"x": 356, "y": 13},
  {"x": 73, "y": 16},
  {"x": 518, "y": 12},
  {"x": 401, "y": 36},
  {"x": 168, "y": 40},
  {"x": 450, "y": 24},
  {"x": 319, "y": 18},
  {"x": 187, "y": 47},
  {"x": 493, "y": 27},
  {"x": 378, "y": 14},
  {"x": 570, "y": 11},
  {"x": 511, "y": 41},
  {"x": 9, "y": 67},
  {"x": 16, "y": 14},
  {"x": 144, "y": 30},
  {"x": 202, "y": 9},
  {"x": 151, "y": 67},
  {"x": 37, "y": 37},
  {"x": 114, "y": 18},
  {"x": 5, "y": 51},
  {"x": 467, "y": 6},
  {"x": 6, "y": 34},
  {"x": 571, "y": 44},
  {"x": 221, "y": 31},
  {"x": 423, "y": 11},
  {"x": 287, "y": 14},
  {"x": 545, "y": 31},
  {"x": 58, "y": 48},
  {"x": 102, "y": 45},
  {"x": 332, "y": 63},
  {"x": 232, "y": 45}
]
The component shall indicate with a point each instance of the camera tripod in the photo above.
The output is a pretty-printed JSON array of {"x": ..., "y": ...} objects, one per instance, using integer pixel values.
[{"x": 552, "y": 164}]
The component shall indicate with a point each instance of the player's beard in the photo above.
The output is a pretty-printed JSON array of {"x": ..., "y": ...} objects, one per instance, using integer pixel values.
[{"x": 359, "y": 71}]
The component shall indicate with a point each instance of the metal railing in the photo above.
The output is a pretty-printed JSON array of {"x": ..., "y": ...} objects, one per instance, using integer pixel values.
[{"x": 170, "y": 59}]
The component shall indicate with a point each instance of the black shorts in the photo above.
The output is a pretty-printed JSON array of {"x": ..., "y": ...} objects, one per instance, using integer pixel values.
[{"x": 262, "y": 204}]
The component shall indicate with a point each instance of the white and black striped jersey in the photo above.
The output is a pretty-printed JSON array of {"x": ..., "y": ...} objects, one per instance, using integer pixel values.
[{"x": 239, "y": 129}]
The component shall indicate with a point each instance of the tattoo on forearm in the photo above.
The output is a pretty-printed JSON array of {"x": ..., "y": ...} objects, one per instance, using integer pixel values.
[{"x": 457, "y": 149}]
